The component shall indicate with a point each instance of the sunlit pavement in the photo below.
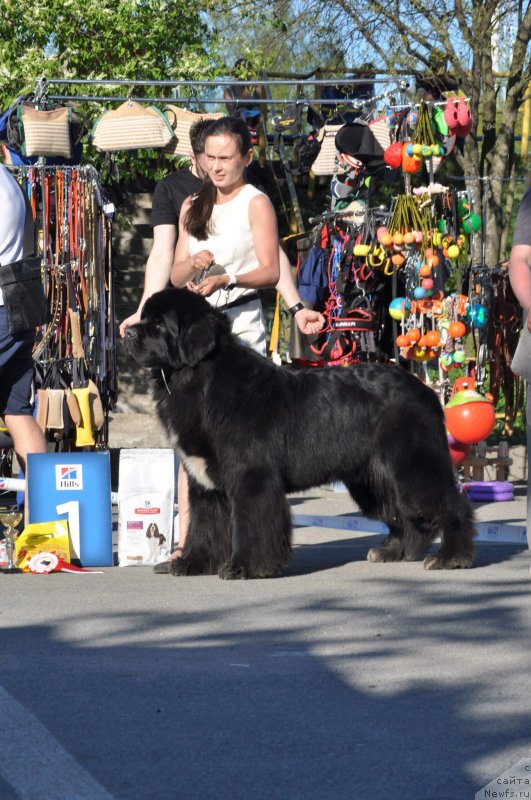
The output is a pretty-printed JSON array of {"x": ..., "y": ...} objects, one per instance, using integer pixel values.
[{"x": 343, "y": 679}]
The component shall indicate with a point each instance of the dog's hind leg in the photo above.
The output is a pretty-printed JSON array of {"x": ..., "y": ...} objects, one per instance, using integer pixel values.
[
  {"x": 393, "y": 546},
  {"x": 391, "y": 549},
  {"x": 457, "y": 537},
  {"x": 261, "y": 527},
  {"x": 208, "y": 542}
]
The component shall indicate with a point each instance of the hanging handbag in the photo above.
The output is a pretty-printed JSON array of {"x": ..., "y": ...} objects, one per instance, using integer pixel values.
[
  {"x": 24, "y": 298},
  {"x": 50, "y": 132},
  {"x": 131, "y": 126},
  {"x": 326, "y": 161},
  {"x": 183, "y": 121},
  {"x": 44, "y": 133}
]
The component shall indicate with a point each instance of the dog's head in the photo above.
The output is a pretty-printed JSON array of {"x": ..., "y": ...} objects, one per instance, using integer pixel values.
[{"x": 178, "y": 328}]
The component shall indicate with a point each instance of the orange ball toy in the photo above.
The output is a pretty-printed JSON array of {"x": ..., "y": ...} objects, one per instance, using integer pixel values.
[
  {"x": 432, "y": 338},
  {"x": 456, "y": 330},
  {"x": 469, "y": 416},
  {"x": 458, "y": 451}
]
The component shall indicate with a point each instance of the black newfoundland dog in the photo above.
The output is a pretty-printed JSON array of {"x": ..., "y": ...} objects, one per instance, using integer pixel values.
[{"x": 248, "y": 432}]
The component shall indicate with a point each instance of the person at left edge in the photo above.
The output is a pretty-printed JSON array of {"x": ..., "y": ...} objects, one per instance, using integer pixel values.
[{"x": 16, "y": 361}]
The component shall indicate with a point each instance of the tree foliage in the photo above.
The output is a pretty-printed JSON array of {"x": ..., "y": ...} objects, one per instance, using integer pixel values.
[
  {"x": 108, "y": 39},
  {"x": 121, "y": 39},
  {"x": 172, "y": 39},
  {"x": 457, "y": 37}
]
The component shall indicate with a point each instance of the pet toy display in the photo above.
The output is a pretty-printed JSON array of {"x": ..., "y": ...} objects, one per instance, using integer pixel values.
[{"x": 400, "y": 282}]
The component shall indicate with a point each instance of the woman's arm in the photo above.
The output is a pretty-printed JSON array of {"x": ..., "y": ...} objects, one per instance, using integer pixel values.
[
  {"x": 520, "y": 276},
  {"x": 308, "y": 320},
  {"x": 185, "y": 267},
  {"x": 158, "y": 267}
]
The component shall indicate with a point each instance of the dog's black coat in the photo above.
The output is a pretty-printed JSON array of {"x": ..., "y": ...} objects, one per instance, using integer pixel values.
[{"x": 249, "y": 432}]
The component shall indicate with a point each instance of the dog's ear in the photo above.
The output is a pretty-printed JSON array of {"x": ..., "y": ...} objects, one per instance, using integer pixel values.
[{"x": 198, "y": 338}]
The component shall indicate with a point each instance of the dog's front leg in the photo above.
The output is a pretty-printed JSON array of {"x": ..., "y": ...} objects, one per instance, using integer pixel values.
[
  {"x": 208, "y": 543},
  {"x": 261, "y": 527}
]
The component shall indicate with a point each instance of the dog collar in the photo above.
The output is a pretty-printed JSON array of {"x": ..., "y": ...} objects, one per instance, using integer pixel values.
[{"x": 165, "y": 381}]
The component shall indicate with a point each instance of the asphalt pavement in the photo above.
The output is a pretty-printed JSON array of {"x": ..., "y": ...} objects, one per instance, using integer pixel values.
[{"x": 343, "y": 679}]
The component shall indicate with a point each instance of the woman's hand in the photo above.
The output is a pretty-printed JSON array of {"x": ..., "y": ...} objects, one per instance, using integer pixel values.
[
  {"x": 211, "y": 284},
  {"x": 309, "y": 321},
  {"x": 201, "y": 260},
  {"x": 134, "y": 319}
]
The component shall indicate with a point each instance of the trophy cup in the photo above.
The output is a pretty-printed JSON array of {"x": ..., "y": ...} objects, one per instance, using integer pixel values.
[{"x": 10, "y": 520}]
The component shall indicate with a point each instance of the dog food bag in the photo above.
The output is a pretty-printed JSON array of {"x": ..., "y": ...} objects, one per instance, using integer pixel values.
[{"x": 145, "y": 506}]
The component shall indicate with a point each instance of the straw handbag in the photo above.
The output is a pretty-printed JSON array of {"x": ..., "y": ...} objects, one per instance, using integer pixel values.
[
  {"x": 181, "y": 145},
  {"x": 44, "y": 133},
  {"x": 325, "y": 163},
  {"x": 131, "y": 126},
  {"x": 381, "y": 133}
]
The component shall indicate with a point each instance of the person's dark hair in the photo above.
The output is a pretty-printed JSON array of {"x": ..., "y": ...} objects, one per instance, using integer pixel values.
[
  {"x": 242, "y": 67},
  {"x": 198, "y": 216},
  {"x": 197, "y": 135}
]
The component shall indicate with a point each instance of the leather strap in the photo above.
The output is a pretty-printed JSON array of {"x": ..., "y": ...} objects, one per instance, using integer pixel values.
[{"x": 241, "y": 301}]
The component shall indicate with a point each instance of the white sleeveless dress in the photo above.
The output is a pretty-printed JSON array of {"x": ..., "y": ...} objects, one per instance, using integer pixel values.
[{"x": 230, "y": 239}]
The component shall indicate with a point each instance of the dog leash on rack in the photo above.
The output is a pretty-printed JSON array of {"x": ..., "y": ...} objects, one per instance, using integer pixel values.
[{"x": 73, "y": 237}]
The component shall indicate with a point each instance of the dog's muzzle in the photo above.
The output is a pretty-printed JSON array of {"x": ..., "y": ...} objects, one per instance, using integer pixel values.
[
  {"x": 131, "y": 339},
  {"x": 131, "y": 333}
]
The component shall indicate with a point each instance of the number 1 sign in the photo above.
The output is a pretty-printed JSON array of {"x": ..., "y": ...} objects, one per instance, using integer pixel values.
[{"x": 78, "y": 486}]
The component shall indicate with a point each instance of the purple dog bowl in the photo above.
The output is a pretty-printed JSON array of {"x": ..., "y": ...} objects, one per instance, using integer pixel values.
[{"x": 493, "y": 491}]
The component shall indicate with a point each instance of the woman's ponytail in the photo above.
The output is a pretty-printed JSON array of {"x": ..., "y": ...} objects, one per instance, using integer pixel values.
[{"x": 200, "y": 212}]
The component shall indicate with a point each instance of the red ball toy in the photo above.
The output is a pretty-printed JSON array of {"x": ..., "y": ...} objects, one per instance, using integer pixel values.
[
  {"x": 470, "y": 417},
  {"x": 458, "y": 450}
]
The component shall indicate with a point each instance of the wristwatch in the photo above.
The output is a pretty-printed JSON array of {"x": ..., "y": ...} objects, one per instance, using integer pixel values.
[
  {"x": 232, "y": 281},
  {"x": 297, "y": 307}
]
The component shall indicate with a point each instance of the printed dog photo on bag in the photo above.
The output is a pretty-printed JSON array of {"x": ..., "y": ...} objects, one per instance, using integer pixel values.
[
  {"x": 156, "y": 541},
  {"x": 249, "y": 432}
]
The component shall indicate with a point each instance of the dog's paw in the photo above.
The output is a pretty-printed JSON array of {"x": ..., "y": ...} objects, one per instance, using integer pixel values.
[
  {"x": 382, "y": 555},
  {"x": 233, "y": 572},
  {"x": 182, "y": 567},
  {"x": 453, "y": 562}
]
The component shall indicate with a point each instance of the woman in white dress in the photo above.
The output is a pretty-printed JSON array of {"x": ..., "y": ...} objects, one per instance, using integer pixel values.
[
  {"x": 229, "y": 228},
  {"x": 228, "y": 248}
]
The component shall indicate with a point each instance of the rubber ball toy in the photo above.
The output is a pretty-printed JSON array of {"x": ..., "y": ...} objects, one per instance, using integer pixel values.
[
  {"x": 393, "y": 155},
  {"x": 472, "y": 223},
  {"x": 400, "y": 308},
  {"x": 477, "y": 315},
  {"x": 469, "y": 417},
  {"x": 458, "y": 450},
  {"x": 453, "y": 251}
]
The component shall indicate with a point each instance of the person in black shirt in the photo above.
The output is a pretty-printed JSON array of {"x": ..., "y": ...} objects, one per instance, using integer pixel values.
[
  {"x": 168, "y": 198},
  {"x": 171, "y": 192}
]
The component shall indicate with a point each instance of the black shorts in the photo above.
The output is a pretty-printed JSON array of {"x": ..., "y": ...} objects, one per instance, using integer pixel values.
[{"x": 16, "y": 371}]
